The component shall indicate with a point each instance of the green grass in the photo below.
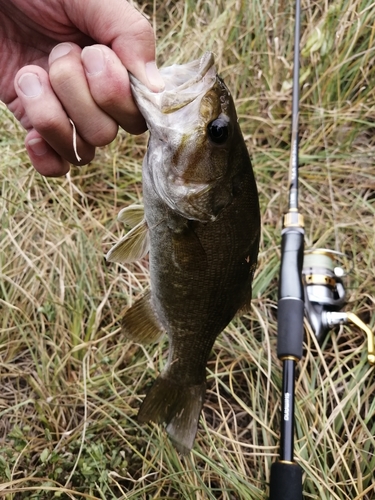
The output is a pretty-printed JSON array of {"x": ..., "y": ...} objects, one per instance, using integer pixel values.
[{"x": 71, "y": 385}]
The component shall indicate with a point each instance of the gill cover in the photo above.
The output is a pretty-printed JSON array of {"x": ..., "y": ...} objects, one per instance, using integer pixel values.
[{"x": 192, "y": 124}]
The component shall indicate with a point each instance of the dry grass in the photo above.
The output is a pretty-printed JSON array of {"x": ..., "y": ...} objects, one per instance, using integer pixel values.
[{"x": 71, "y": 385}]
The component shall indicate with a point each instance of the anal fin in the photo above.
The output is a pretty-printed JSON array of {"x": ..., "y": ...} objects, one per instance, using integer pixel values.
[{"x": 140, "y": 323}]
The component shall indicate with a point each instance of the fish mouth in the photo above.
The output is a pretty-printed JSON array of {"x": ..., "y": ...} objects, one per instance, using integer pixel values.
[
  {"x": 173, "y": 116},
  {"x": 179, "y": 77},
  {"x": 183, "y": 84}
]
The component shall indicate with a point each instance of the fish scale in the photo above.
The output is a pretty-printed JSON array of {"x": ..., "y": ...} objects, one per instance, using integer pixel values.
[{"x": 202, "y": 235}]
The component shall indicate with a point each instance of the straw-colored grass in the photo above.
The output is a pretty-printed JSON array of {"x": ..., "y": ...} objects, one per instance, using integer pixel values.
[{"x": 71, "y": 384}]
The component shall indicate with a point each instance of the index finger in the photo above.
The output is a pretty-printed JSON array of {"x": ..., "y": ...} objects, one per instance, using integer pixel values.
[{"x": 123, "y": 28}]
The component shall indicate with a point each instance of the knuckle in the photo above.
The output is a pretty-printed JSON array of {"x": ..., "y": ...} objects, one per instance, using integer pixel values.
[
  {"x": 46, "y": 123},
  {"x": 60, "y": 76},
  {"x": 143, "y": 30},
  {"x": 101, "y": 135},
  {"x": 115, "y": 96}
]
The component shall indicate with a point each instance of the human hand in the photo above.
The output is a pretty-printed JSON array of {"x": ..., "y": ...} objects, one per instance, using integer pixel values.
[{"x": 53, "y": 71}]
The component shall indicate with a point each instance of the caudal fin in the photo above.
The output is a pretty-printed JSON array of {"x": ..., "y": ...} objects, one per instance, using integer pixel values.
[{"x": 176, "y": 406}]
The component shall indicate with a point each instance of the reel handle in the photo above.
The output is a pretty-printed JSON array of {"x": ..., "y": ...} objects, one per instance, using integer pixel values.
[{"x": 325, "y": 296}]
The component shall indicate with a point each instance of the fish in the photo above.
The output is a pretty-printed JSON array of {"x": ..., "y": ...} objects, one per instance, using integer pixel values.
[{"x": 200, "y": 224}]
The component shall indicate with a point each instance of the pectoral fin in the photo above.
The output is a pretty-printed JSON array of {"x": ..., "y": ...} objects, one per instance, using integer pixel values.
[
  {"x": 131, "y": 215},
  {"x": 188, "y": 252},
  {"x": 133, "y": 246},
  {"x": 246, "y": 303},
  {"x": 140, "y": 323}
]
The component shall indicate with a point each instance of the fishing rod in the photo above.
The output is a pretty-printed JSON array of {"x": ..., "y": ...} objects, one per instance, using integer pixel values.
[
  {"x": 286, "y": 474},
  {"x": 309, "y": 284}
]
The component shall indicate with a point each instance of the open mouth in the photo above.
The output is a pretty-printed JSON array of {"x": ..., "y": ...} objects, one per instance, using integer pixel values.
[
  {"x": 185, "y": 83},
  {"x": 178, "y": 78}
]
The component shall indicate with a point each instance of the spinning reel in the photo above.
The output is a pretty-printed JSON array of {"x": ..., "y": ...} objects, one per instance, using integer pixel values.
[{"x": 322, "y": 276}]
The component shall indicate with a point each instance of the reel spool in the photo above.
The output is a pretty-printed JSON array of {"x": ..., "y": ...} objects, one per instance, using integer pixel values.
[{"x": 325, "y": 295}]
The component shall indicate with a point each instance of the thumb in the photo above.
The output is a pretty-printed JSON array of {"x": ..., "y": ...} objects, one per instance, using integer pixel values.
[{"x": 120, "y": 26}]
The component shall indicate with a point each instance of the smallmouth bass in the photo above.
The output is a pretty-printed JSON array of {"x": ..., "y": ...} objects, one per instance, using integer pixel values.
[{"x": 201, "y": 227}]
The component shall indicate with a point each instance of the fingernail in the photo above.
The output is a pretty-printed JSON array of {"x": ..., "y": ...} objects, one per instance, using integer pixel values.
[
  {"x": 60, "y": 50},
  {"x": 93, "y": 60},
  {"x": 38, "y": 146},
  {"x": 30, "y": 84},
  {"x": 154, "y": 77}
]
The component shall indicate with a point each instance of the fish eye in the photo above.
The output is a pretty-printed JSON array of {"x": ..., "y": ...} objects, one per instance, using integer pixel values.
[{"x": 218, "y": 130}]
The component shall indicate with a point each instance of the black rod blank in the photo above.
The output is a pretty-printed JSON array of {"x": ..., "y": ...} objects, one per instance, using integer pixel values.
[
  {"x": 286, "y": 474},
  {"x": 293, "y": 166},
  {"x": 287, "y": 412}
]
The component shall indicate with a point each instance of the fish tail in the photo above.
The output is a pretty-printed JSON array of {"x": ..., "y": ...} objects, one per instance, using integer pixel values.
[{"x": 178, "y": 407}]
